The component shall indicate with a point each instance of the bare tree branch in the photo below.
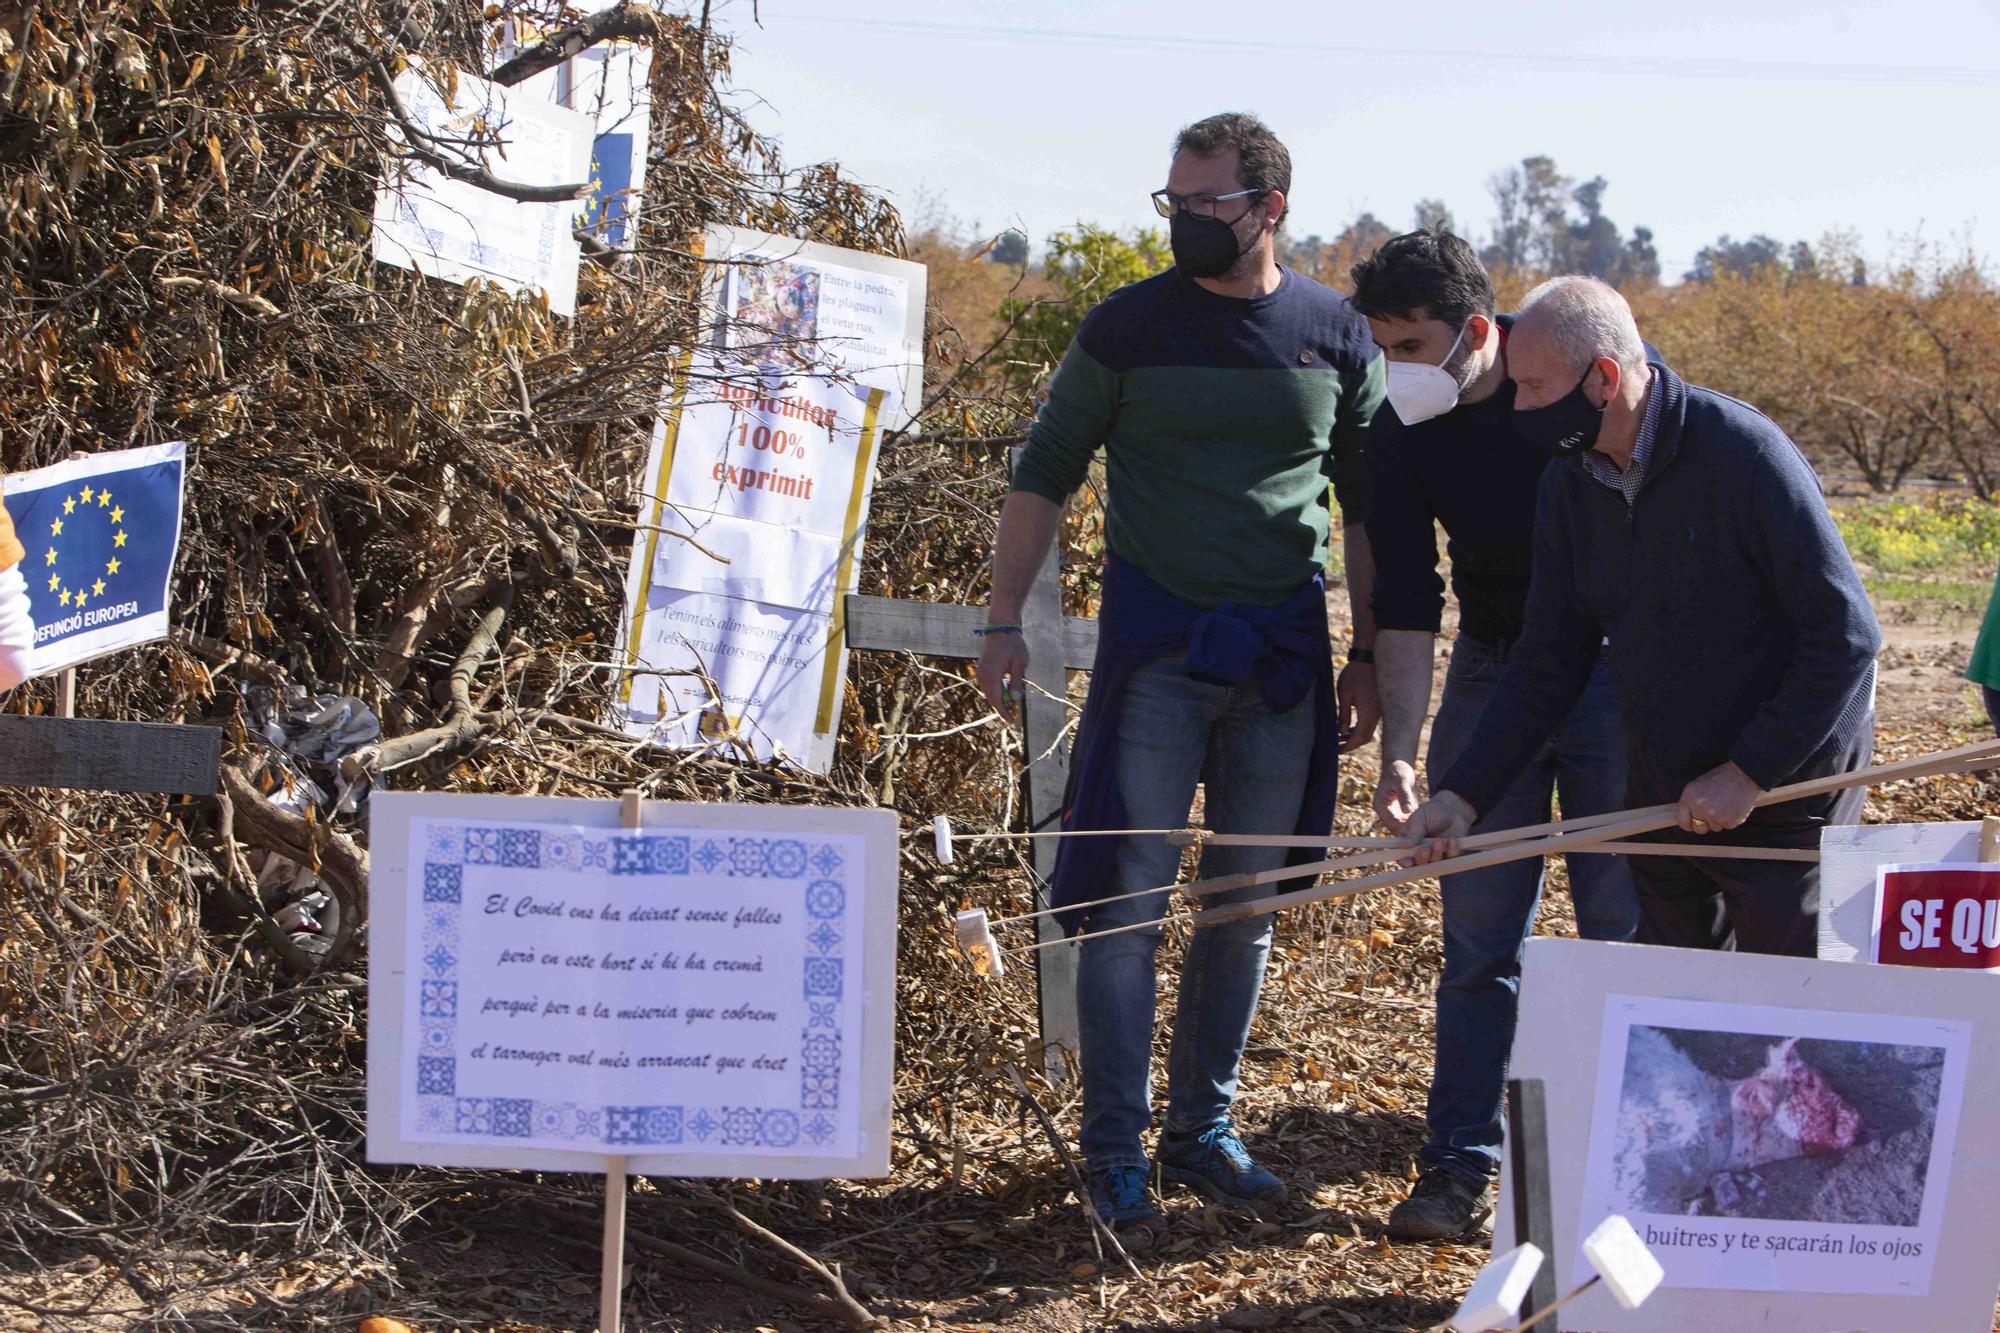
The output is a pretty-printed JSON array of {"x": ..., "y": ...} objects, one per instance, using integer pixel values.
[
  {"x": 419, "y": 145},
  {"x": 626, "y": 20}
]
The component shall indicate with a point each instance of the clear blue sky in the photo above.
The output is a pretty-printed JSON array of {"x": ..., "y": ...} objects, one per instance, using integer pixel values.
[{"x": 1790, "y": 117}]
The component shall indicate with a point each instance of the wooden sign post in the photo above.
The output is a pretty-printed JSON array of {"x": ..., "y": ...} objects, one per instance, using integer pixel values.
[
  {"x": 1057, "y": 644},
  {"x": 1528, "y": 1176},
  {"x": 611, "y": 1277},
  {"x": 109, "y": 756}
]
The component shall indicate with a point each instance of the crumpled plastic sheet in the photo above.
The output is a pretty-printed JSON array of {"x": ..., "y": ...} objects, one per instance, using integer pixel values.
[{"x": 309, "y": 735}]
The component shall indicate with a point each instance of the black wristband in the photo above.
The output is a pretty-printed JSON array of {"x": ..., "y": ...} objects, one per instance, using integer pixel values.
[{"x": 1365, "y": 656}]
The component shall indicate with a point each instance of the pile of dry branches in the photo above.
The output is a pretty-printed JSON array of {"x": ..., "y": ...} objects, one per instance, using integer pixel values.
[{"x": 416, "y": 494}]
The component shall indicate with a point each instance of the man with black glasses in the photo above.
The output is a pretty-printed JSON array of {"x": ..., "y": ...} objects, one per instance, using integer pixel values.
[{"x": 1227, "y": 394}]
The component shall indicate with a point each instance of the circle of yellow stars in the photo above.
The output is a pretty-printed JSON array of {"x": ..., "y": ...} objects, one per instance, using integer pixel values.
[{"x": 78, "y": 597}]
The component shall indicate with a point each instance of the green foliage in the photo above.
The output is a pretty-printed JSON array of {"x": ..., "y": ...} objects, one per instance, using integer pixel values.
[
  {"x": 1939, "y": 538},
  {"x": 1084, "y": 265},
  {"x": 1010, "y": 248}
]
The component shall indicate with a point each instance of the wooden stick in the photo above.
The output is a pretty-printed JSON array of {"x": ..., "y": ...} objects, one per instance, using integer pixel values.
[
  {"x": 1377, "y": 858},
  {"x": 1493, "y": 856},
  {"x": 1580, "y": 840},
  {"x": 1519, "y": 843},
  {"x": 1215, "y": 916},
  {"x": 1547, "y": 1310},
  {"x": 1696, "y": 852},
  {"x": 1969, "y": 758},
  {"x": 1989, "y": 838},
  {"x": 1661, "y": 815},
  {"x": 611, "y": 1277},
  {"x": 1644, "y": 821},
  {"x": 1185, "y": 837},
  {"x": 1204, "y": 838}
]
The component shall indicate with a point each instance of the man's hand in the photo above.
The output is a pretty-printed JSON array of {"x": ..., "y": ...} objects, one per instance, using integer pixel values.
[
  {"x": 1003, "y": 670},
  {"x": 1434, "y": 830},
  {"x": 1396, "y": 795},
  {"x": 1360, "y": 707},
  {"x": 1718, "y": 800}
]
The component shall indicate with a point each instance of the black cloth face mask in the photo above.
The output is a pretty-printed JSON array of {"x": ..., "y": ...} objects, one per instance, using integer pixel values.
[
  {"x": 1203, "y": 247},
  {"x": 1569, "y": 425}
]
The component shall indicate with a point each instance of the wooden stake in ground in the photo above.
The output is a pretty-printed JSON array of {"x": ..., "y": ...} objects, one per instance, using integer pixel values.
[
  {"x": 1056, "y": 644},
  {"x": 611, "y": 1278}
]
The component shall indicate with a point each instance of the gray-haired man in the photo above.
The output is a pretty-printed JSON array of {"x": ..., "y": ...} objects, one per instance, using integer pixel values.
[{"x": 1691, "y": 532}]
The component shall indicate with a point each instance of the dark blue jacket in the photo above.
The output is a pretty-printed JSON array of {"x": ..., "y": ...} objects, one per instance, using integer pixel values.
[
  {"x": 1738, "y": 628},
  {"x": 1284, "y": 650}
]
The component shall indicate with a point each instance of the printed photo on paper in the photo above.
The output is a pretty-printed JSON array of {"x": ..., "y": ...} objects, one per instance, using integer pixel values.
[
  {"x": 1766, "y": 1148},
  {"x": 774, "y": 314}
]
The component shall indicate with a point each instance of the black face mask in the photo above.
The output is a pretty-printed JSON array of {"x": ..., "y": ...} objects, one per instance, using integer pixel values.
[
  {"x": 1569, "y": 425},
  {"x": 1203, "y": 247}
]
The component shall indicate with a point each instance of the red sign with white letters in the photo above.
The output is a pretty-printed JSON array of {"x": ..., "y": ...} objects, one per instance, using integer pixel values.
[{"x": 1945, "y": 915}]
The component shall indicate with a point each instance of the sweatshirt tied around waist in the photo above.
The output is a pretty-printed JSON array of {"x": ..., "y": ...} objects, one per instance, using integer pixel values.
[{"x": 1282, "y": 650}]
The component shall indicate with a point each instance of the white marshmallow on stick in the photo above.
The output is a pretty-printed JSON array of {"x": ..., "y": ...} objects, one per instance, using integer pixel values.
[
  {"x": 975, "y": 938},
  {"x": 1497, "y": 1293},
  {"x": 1623, "y": 1261},
  {"x": 941, "y": 830}
]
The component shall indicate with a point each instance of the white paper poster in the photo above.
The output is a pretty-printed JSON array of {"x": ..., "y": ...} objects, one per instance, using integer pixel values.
[
  {"x": 611, "y": 84},
  {"x": 456, "y": 230},
  {"x": 1851, "y": 862},
  {"x": 1799, "y": 1143},
  {"x": 758, "y": 485},
  {"x": 1761, "y": 1148},
  {"x": 734, "y": 672},
  {"x": 622, "y": 992},
  {"x": 697, "y": 988}
]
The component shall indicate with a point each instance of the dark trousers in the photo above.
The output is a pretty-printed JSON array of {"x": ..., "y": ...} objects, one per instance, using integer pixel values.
[{"x": 1750, "y": 906}]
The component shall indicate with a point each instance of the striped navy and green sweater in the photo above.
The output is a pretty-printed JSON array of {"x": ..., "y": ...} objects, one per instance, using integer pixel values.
[{"x": 1223, "y": 421}]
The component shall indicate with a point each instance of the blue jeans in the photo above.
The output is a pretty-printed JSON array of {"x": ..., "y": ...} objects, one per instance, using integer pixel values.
[
  {"x": 1489, "y": 913},
  {"x": 1172, "y": 732}
]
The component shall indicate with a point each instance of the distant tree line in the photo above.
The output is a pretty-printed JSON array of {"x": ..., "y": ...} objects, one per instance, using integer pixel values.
[{"x": 1883, "y": 376}]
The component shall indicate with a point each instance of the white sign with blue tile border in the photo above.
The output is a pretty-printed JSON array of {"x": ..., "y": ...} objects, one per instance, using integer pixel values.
[{"x": 697, "y": 988}]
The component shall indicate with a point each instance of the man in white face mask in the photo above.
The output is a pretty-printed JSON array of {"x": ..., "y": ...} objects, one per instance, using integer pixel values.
[{"x": 1444, "y": 451}]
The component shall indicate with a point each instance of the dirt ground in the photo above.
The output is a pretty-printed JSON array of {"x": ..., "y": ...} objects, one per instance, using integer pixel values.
[{"x": 980, "y": 1231}]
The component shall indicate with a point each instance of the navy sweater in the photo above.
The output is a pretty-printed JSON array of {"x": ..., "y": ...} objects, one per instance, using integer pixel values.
[
  {"x": 1471, "y": 472},
  {"x": 1738, "y": 628},
  {"x": 1222, "y": 423}
]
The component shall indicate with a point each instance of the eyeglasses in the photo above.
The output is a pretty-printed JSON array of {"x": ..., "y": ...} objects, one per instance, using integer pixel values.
[{"x": 1201, "y": 205}]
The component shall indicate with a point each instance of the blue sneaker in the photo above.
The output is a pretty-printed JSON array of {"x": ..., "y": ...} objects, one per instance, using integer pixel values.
[
  {"x": 1121, "y": 1198},
  {"x": 1215, "y": 1164}
]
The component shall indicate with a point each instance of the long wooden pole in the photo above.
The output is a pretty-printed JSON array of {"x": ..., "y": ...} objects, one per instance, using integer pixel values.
[
  {"x": 1660, "y": 815},
  {"x": 1587, "y": 833},
  {"x": 611, "y": 1276}
]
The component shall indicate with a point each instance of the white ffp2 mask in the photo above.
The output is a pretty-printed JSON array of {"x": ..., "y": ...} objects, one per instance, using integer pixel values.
[{"x": 1418, "y": 391}]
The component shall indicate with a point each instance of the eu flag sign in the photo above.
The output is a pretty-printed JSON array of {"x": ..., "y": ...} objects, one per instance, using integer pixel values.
[{"x": 101, "y": 534}]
